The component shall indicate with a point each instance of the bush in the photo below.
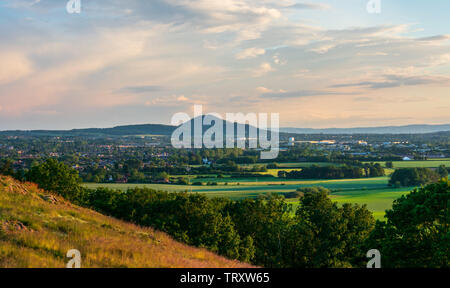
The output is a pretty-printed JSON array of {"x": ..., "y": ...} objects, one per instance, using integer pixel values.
[
  {"x": 416, "y": 233},
  {"x": 56, "y": 177},
  {"x": 302, "y": 190},
  {"x": 272, "y": 166},
  {"x": 413, "y": 177}
]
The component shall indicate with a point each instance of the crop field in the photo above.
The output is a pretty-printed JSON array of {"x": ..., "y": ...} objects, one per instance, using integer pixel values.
[
  {"x": 294, "y": 164},
  {"x": 371, "y": 191},
  {"x": 377, "y": 200},
  {"x": 421, "y": 164}
]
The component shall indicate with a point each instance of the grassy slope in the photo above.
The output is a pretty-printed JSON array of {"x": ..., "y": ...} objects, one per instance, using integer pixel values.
[{"x": 38, "y": 233}]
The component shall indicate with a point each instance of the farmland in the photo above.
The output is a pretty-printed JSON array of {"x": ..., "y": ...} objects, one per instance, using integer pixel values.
[
  {"x": 371, "y": 191},
  {"x": 374, "y": 192},
  {"x": 434, "y": 163}
]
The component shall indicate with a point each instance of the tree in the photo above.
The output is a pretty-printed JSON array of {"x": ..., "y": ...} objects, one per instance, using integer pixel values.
[
  {"x": 389, "y": 164},
  {"x": 302, "y": 190},
  {"x": 416, "y": 233},
  {"x": 413, "y": 177},
  {"x": 6, "y": 168},
  {"x": 56, "y": 177},
  {"x": 163, "y": 176},
  {"x": 281, "y": 174},
  {"x": 266, "y": 221},
  {"x": 326, "y": 235},
  {"x": 442, "y": 171}
]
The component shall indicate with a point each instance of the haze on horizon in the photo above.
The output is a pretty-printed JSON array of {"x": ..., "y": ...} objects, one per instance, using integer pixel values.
[{"x": 320, "y": 64}]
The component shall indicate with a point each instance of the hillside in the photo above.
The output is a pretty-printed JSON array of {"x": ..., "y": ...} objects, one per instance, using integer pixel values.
[
  {"x": 127, "y": 130},
  {"x": 37, "y": 229},
  {"x": 167, "y": 130},
  {"x": 408, "y": 129}
]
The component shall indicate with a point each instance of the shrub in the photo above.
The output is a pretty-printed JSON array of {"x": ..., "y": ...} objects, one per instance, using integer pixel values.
[{"x": 413, "y": 177}]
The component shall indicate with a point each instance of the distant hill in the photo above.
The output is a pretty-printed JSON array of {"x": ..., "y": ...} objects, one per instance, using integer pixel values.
[
  {"x": 127, "y": 130},
  {"x": 409, "y": 129},
  {"x": 37, "y": 229},
  {"x": 166, "y": 130}
]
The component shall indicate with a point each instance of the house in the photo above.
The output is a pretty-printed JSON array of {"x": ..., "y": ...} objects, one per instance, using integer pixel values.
[{"x": 291, "y": 141}]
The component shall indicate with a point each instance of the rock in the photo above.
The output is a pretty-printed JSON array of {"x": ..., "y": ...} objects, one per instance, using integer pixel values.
[
  {"x": 14, "y": 226},
  {"x": 49, "y": 198}
]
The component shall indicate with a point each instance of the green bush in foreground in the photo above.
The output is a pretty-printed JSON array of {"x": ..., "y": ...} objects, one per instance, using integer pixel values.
[
  {"x": 56, "y": 177},
  {"x": 416, "y": 233},
  {"x": 413, "y": 177}
]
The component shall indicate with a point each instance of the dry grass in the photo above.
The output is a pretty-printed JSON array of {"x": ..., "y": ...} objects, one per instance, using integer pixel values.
[{"x": 37, "y": 229}]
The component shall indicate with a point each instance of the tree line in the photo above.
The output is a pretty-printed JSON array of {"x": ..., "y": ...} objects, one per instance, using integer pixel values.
[
  {"x": 334, "y": 172},
  {"x": 265, "y": 231}
]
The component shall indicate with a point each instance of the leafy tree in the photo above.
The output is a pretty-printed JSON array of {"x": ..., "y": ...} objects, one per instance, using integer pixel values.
[
  {"x": 325, "y": 235},
  {"x": 442, "y": 171},
  {"x": 389, "y": 164},
  {"x": 302, "y": 190},
  {"x": 266, "y": 221},
  {"x": 57, "y": 177},
  {"x": 416, "y": 233},
  {"x": 413, "y": 177},
  {"x": 162, "y": 176},
  {"x": 6, "y": 168}
]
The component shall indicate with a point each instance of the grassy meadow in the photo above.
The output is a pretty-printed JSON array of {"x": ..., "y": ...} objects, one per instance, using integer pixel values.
[
  {"x": 37, "y": 229},
  {"x": 434, "y": 163}
]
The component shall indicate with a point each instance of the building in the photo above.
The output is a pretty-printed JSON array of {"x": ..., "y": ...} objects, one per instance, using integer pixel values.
[{"x": 291, "y": 141}]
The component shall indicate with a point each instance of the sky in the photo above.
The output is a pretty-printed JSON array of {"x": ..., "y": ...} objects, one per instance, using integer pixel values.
[{"x": 319, "y": 64}]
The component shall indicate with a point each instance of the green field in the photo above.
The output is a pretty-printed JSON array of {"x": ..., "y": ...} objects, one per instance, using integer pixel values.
[
  {"x": 371, "y": 191},
  {"x": 422, "y": 164},
  {"x": 293, "y": 165}
]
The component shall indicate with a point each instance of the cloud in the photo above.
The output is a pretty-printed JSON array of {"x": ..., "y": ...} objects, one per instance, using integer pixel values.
[
  {"x": 250, "y": 53},
  {"x": 392, "y": 81},
  {"x": 297, "y": 94},
  {"x": 313, "y": 6},
  {"x": 322, "y": 49},
  {"x": 196, "y": 47},
  {"x": 182, "y": 98},
  {"x": 445, "y": 37},
  {"x": 264, "y": 90},
  {"x": 14, "y": 65},
  {"x": 263, "y": 69},
  {"x": 140, "y": 89},
  {"x": 168, "y": 101}
]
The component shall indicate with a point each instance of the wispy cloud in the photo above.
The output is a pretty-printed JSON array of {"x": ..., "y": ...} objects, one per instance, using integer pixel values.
[
  {"x": 306, "y": 5},
  {"x": 165, "y": 53},
  {"x": 392, "y": 81},
  {"x": 140, "y": 89},
  {"x": 250, "y": 53},
  {"x": 297, "y": 94}
]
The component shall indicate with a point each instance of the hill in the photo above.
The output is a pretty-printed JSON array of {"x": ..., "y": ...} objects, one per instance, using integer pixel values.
[
  {"x": 166, "y": 130},
  {"x": 409, "y": 129},
  {"x": 38, "y": 228},
  {"x": 127, "y": 130}
]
